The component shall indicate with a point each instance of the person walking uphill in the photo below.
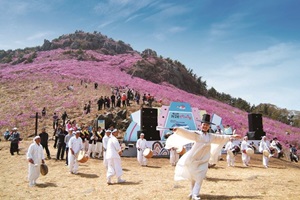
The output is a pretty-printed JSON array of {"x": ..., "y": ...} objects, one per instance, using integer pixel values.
[
  {"x": 193, "y": 165},
  {"x": 44, "y": 141}
]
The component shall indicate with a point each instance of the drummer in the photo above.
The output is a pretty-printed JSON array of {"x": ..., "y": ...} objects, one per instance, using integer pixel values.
[
  {"x": 75, "y": 145},
  {"x": 263, "y": 146},
  {"x": 141, "y": 146},
  {"x": 230, "y": 158},
  {"x": 104, "y": 145},
  {"x": 244, "y": 147},
  {"x": 113, "y": 153}
]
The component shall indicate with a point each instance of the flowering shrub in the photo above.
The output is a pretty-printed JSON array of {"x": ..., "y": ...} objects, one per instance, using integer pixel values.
[{"x": 59, "y": 71}]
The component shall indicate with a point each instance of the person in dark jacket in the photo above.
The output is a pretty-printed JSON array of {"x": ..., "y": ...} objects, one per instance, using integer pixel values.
[
  {"x": 14, "y": 141},
  {"x": 44, "y": 141},
  {"x": 61, "y": 145}
]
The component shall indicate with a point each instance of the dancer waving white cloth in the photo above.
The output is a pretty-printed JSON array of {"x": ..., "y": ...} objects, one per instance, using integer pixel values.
[{"x": 193, "y": 165}]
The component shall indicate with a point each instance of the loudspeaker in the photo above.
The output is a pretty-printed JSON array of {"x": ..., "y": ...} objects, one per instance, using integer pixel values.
[
  {"x": 255, "y": 122},
  {"x": 149, "y": 113},
  {"x": 149, "y": 123}
]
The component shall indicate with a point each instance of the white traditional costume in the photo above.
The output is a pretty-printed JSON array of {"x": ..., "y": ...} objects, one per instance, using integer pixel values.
[
  {"x": 141, "y": 146},
  {"x": 113, "y": 159},
  {"x": 230, "y": 158},
  {"x": 244, "y": 147},
  {"x": 35, "y": 152},
  {"x": 104, "y": 144},
  {"x": 263, "y": 146},
  {"x": 193, "y": 165},
  {"x": 76, "y": 145}
]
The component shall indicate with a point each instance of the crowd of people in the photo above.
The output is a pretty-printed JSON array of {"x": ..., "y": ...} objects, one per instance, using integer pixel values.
[{"x": 70, "y": 139}]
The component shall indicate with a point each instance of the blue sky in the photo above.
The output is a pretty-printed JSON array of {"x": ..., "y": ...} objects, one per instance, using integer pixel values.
[{"x": 248, "y": 49}]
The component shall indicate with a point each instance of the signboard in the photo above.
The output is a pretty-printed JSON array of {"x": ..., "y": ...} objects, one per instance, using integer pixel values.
[
  {"x": 101, "y": 123},
  {"x": 180, "y": 114}
]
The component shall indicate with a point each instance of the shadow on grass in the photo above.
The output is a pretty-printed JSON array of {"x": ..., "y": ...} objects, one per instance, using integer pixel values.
[
  {"x": 221, "y": 179},
  {"x": 88, "y": 175},
  {"x": 225, "y": 197},
  {"x": 148, "y": 166},
  {"x": 129, "y": 183},
  {"x": 44, "y": 185}
]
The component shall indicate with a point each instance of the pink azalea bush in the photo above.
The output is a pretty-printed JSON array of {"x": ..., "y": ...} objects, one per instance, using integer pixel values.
[{"x": 109, "y": 71}]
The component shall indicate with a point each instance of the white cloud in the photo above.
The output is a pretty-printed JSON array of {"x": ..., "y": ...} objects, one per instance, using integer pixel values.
[
  {"x": 177, "y": 29},
  {"x": 271, "y": 55},
  {"x": 228, "y": 26},
  {"x": 159, "y": 36},
  {"x": 37, "y": 36},
  {"x": 264, "y": 76}
]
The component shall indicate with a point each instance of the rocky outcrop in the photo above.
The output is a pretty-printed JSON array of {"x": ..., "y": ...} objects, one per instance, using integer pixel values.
[{"x": 87, "y": 41}]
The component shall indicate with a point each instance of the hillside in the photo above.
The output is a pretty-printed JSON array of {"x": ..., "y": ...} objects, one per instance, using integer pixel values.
[{"x": 38, "y": 77}]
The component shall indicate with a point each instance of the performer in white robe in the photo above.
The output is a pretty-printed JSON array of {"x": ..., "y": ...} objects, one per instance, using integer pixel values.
[
  {"x": 104, "y": 144},
  {"x": 75, "y": 145},
  {"x": 141, "y": 146},
  {"x": 264, "y": 146},
  {"x": 193, "y": 165},
  {"x": 244, "y": 147},
  {"x": 35, "y": 157},
  {"x": 113, "y": 153},
  {"x": 230, "y": 158}
]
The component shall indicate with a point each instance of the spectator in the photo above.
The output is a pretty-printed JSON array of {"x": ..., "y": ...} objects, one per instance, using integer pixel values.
[
  {"x": 61, "y": 146},
  {"x": 66, "y": 140},
  {"x": 293, "y": 153},
  {"x": 44, "y": 141},
  {"x": 100, "y": 103},
  {"x": 64, "y": 117},
  {"x": 55, "y": 121},
  {"x": 6, "y": 134},
  {"x": 44, "y": 112},
  {"x": 14, "y": 141}
]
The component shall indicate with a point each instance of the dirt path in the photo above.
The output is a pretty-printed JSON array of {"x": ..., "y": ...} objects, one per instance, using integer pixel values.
[{"x": 279, "y": 181}]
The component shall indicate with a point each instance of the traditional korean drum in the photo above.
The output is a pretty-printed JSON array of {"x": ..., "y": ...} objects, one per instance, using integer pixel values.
[
  {"x": 181, "y": 150},
  {"x": 148, "y": 153},
  {"x": 236, "y": 149},
  {"x": 250, "y": 151},
  {"x": 44, "y": 169},
  {"x": 82, "y": 157},
  {"x": 266, "y": 153}
]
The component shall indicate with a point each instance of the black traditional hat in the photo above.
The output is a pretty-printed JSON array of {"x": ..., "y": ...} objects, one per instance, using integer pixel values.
[{"x": 206, "y": 119}]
